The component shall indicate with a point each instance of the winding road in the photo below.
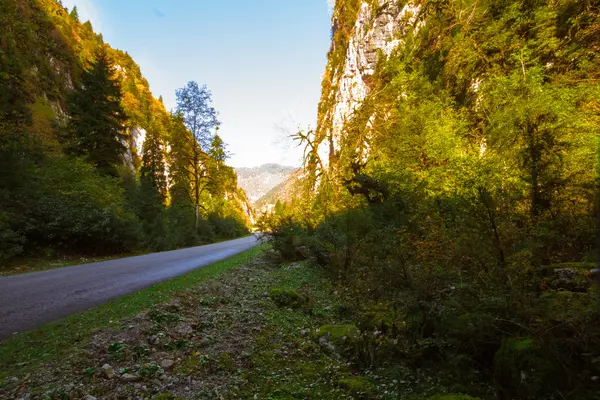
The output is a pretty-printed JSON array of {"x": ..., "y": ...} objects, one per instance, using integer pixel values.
[{"x": 30, "y": 300}]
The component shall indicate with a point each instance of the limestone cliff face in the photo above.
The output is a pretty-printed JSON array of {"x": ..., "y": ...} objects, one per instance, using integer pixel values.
[{"x": 376, "y": 29}]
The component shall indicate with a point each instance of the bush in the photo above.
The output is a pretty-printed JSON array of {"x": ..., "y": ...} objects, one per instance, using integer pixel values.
[
  {"x": 75, "y": 209},
  {"x": 522, "y": 369}
]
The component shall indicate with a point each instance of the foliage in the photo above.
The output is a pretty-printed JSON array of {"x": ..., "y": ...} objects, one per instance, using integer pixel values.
[
  {"x": 460, "y": 185},
  {"x": 193, "y": 102},
  {"x": 96, "y": 117},
  {"x": 70, "y": 103}
]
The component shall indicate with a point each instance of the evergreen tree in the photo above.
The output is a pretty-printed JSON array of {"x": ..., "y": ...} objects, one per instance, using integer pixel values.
[
  {"x": 222, "y": 178},
  {"x": 74, "y": 14},
  {"x": 153, "y": 165},
  {"x": 217, "y": 150},
  {"x": 95, "y": 128}
]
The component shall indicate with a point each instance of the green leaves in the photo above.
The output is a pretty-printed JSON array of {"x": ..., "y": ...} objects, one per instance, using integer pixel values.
[{"x": 96, "y": 123}]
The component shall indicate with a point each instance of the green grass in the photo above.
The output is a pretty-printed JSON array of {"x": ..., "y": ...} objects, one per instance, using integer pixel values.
[
  {"x": 35, "y": 264},
  {"x": 30, "y": 350},
  {"x": 305, "y": 371}
]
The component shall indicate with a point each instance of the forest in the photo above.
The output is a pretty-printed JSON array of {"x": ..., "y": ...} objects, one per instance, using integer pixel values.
[
  {"x": 91, "y": 164},
  {"x": 455, "y": 208}
]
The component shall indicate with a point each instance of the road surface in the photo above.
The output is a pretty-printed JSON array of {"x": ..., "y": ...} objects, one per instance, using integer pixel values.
[{"x": 30, "y": 300}]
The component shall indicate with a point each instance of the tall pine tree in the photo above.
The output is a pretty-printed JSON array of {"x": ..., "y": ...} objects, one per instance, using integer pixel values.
[
  {"x": 153, "y": 165},
  {"x": 97, "y": 118}
]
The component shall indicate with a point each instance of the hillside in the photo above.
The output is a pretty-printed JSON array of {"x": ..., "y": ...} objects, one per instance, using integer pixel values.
[
  {"x": 90, "y": 161},
  {"x": 450, "y": 190},
  {"x": 258, "y": 181}
]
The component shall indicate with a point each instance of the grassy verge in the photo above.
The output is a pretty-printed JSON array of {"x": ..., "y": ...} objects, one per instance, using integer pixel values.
[
  {"x": 30, "y": 350},
  {"x": 291, "y": 361},
  {"x": 36, "y": 264},
  {"x": 28, "y": 265}
]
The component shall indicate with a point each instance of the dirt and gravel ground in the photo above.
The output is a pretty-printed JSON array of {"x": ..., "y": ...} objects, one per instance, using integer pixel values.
[{"x": 249, "y": 334}]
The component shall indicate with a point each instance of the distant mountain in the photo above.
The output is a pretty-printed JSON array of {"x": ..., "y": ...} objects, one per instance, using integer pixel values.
[
  {"x": 285, "y": 191},
  {"x": 258, "y": 181}
]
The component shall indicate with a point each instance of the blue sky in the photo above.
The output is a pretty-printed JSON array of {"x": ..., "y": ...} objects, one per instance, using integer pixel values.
[{"x": 262, "y": 60}]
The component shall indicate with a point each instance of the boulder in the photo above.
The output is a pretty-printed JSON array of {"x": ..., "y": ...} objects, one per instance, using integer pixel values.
[
  {"x": 285, "y": 297},
  {"x": 358, "y": 387},
  {"x": 342, "y": 339}
]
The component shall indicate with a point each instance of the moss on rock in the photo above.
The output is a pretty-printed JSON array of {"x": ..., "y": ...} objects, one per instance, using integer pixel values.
[
  {"x": 376, "y": 318},
  {"x": 338, "y": 334},
  {"x": 340, "y": 339},
  {"x": 285, "y": 297},
  {"x": 358, "y": 386}
]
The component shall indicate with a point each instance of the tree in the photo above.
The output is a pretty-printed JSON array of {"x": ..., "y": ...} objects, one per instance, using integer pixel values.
[
  {"x": 96, "y": 124},
  {"x": 222, "y": 178},
  {"x": 218, "y": 150},
  {"x": 153, "y": 171},
  {"x": 194, "y": 104},
  {"x": 194, "y": 110},
  {"x": 74, "y": 14}
]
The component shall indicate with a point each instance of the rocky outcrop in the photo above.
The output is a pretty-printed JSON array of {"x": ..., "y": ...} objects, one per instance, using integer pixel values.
[{"x": 378, "y": 30}]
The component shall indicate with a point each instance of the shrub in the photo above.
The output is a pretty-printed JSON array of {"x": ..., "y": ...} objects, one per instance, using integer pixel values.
[{"x": 522, "y": 369}]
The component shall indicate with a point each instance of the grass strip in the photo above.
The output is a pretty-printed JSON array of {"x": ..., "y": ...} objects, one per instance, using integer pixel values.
[{"x": 36, "y": 264}]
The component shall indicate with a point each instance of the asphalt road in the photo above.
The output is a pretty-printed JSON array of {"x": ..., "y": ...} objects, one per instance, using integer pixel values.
[{"x": 30, "y": 300}]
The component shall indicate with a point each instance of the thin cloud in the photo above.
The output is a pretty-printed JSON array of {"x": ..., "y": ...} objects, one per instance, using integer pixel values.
[{"x": 158, "y": 13}]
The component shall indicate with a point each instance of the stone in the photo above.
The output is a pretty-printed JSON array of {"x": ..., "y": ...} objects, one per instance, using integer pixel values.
[
  {"x": 89, "y": 397},
  {"x": 167, "y": 364},
  {"x": 183, "y": 330},
  {"x": 130, "y": 377},
  {"x": 285, "y": 297},
  {"x": 108, "y": 371}
]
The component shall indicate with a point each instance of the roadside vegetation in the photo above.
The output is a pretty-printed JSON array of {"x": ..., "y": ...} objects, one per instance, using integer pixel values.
[
  {"x": 458, "y": 214},
  {"x": 85, "y": 149}
]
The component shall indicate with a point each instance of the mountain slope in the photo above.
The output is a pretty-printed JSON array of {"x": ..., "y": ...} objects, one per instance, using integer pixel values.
[
  {"x": 51, "y": 197},
  {"x": 284, "y": 191},
  {"x": 257, "y": 181}
]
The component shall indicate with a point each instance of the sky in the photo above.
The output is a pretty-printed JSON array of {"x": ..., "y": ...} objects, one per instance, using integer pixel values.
[{"x": 262, "y": 60}]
